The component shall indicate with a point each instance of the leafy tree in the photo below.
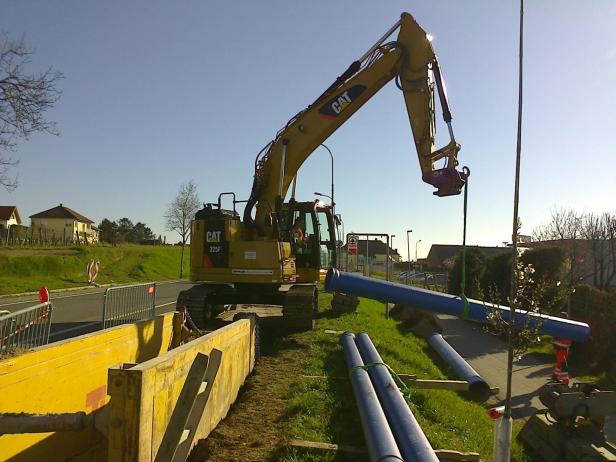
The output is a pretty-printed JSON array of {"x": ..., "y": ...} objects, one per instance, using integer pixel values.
[
  {"x": 24, "y": 98},
  {"x": 475, "y": 269},
  {"x": 180, "y": 213},
  {"x": 108, "y": 231},
  {"x": 549, "y": 271},
  {"x": 141, "y": 232},
  {"x": 496, "y": 280},
  {"x": 124, "y": 231}
]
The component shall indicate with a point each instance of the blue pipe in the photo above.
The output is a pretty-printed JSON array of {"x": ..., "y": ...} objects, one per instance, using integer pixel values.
[
  {"x": 477, "y": 386},
  {"x": 413, "y": 444},
  {"x": 437, "y": 302},
  {"x": 379, "y": 439}
]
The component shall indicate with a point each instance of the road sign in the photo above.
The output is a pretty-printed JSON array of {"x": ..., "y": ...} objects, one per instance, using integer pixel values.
[{"x": 352, "y": 245}]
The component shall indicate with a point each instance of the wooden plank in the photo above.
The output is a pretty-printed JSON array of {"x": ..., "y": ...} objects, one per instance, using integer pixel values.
[
  {"x": 442, "y": 454},
  {"x": 327, "y": 447},
  {"x": 198, "y": 408},
  {"x": 448, "y": 455},
  {"x": 181, "y": 411},
  {"x": 456, "y": 385},
  {"x": 189, "y": 408}
]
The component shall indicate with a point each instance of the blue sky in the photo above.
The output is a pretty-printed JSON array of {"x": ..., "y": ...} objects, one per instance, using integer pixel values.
[{"x": 158, "y": 93}]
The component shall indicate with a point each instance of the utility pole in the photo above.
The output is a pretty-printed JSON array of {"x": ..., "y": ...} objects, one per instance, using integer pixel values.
[
  {"x": 408, "y": 254},
  {"x": 503, "y": 440},
  {"x": 391, "y": 240}
]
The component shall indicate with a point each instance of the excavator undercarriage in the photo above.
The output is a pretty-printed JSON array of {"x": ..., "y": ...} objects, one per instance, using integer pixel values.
[{"x": 205, "y": 301}]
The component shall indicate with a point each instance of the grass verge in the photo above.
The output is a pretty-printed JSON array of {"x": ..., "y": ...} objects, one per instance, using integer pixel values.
[
  {"x": 301, "y": 390},
  {"x": 27, "y": 269}
]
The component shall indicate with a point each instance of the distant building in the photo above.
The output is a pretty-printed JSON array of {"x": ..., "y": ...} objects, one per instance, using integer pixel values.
[
  {"x": 63, "y": 224},
  {"x": 377, "y": 250},
  {"x": 9, "y": 216},
  {"x": 591, "y": 262},
  {"x": 442, "y": 256}
]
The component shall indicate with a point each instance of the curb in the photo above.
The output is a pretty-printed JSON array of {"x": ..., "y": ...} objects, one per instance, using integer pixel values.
[{"x": 76, "y": 289}]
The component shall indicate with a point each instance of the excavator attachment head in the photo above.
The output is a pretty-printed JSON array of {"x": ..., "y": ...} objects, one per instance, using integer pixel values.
[{"x": 447, "y": 181}]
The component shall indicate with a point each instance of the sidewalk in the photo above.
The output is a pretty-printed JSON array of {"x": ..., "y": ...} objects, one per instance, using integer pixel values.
[{"x": 487, "y": 354}]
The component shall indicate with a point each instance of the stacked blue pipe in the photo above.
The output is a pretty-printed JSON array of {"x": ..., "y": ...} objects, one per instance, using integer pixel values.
[
  {"x": 381, "y": 444},
  {"x": 412, "y": 442},
  {"x": 437, "y": 302},
  {"x": 382, "y": 408}
]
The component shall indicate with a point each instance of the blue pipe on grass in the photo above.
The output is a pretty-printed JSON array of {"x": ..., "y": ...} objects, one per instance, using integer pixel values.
[
  {"x": 437, "y": 302},
  {"x": 413, "y": 444},
  {"x": 477, "y": 386},
  {"x": 379, "y": 439}
]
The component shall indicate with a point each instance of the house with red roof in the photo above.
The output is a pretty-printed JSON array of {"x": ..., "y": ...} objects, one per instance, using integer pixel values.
[
  {"x": 9, "y": 216},
  {"x": 63, "y": 224}
]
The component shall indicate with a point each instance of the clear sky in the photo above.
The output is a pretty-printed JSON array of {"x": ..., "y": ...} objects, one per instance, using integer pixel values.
[{"x": 157, "y": 93}]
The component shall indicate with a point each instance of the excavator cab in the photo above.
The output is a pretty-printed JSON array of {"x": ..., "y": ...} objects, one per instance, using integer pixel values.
[{"x": 311, "y": 229}]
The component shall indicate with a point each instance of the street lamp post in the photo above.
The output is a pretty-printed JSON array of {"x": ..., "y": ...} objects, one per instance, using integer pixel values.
[
  {"x": 339, "y": 242},
  {"x": 408, "y": 253},
  {"x": 391, "y": 244},
  {"x": 332, "y": 187},
  {"x": 416, "y": 249},
  {"x": 331, "y": 198},
  {"x": 322, "y": 195}
]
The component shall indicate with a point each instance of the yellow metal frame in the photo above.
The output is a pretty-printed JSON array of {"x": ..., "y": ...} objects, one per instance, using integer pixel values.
[
  {"x": 143, "y": 397},
  {"x": 71, "y": 376}
]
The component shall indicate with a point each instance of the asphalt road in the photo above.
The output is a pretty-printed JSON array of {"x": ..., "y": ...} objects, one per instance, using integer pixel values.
[{"x": 79, "y": 312}]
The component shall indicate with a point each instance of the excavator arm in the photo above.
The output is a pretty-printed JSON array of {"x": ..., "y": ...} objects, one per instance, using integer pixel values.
[{"x": 411, "y": 60}]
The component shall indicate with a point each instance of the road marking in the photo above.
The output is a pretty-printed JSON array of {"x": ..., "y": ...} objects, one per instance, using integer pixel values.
[
  {"x": 165, "y": 304},
  {"x": 72, "y": 329},
  {"x": 51, "y": 299}
]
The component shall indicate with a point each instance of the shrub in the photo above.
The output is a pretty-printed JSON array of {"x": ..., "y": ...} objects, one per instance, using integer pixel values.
[
  {"x": 475, "y": 269},
  {"x": 598, "y": 308}
]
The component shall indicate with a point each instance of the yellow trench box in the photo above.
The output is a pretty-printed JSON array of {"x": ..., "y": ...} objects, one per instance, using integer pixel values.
[{"x": 145, "y": 380}]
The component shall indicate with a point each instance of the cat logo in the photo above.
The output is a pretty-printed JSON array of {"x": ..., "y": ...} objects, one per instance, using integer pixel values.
[
  {"x": 212, "y": 236},
  {"x": 338, "y": 103},
  {"x": 343, "y": 100}
]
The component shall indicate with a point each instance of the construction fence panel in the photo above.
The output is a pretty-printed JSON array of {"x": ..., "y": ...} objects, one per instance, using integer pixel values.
[
  {"x": 26, "y": 328},
  {"x": 127, "y": 304}
]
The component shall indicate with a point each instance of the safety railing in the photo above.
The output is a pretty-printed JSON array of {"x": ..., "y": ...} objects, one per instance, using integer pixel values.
[
  {"x": 127, "y": 304},
  {"x": 26, "y": 328}
]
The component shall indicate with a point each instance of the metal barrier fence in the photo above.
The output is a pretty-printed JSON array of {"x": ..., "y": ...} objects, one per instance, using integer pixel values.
[
  {"x": 128, "y": 304},
  {"x": 26, "y": 328}
]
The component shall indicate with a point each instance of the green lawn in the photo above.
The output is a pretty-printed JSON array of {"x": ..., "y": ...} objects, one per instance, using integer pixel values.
[
  {"x": 24, "y": 269},
  {"x": 321, "y": 402}
]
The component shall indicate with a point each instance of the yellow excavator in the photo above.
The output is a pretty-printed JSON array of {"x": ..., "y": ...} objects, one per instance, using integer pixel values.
[{"x": 276, "y": 255}]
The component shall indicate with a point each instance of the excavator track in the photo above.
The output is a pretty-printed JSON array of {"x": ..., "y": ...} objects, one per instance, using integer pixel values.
[
  {"x": 299, "y": 307},
  {"x": 195, "y": 299}
]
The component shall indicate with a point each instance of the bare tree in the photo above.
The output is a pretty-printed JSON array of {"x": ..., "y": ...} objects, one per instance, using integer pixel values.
[
  {"x": 181, "y": 212},
  {"x": 609, "y": 229},
  {"x": 565, "y": 228},
  {"x": 593, "y": 232},
  {"x": 24, "y": 97}
]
